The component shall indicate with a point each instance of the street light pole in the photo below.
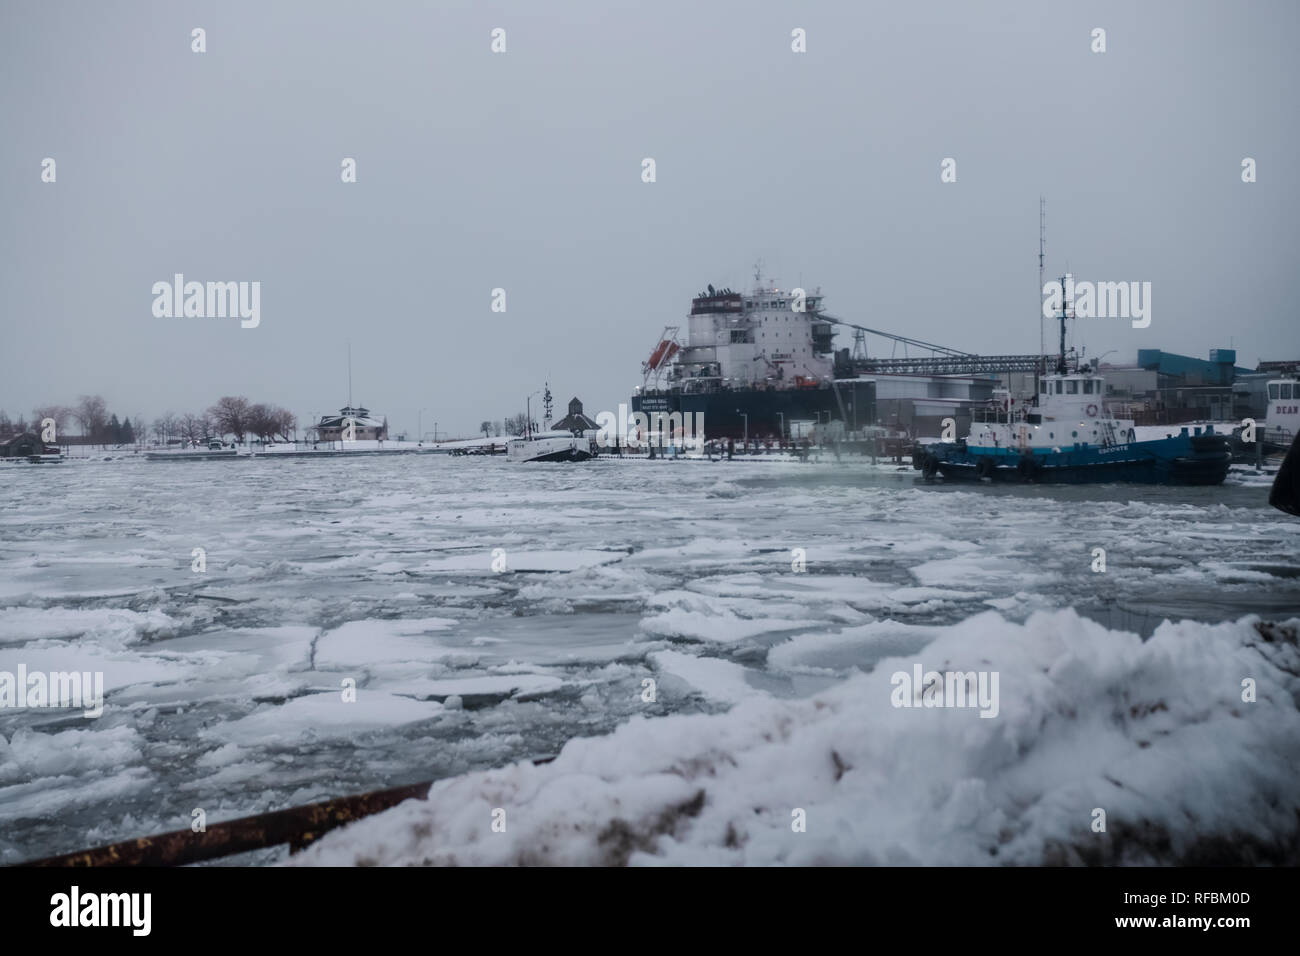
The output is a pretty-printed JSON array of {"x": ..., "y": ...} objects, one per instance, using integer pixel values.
[
  {"x": 781, "y": 416},
  {"x": 746, "y": 418}
]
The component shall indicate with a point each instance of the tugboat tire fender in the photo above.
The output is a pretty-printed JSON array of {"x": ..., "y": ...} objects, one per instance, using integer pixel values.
[
  {"x": 984, "y": 467},
  {"x": 1027, "y": 468}
]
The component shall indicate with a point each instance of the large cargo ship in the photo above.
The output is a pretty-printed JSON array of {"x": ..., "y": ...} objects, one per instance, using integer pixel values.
[{"x": 753, "y": 364}]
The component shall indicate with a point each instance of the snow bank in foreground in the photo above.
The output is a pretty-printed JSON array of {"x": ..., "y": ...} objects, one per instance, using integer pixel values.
[{"x": 1155, "y": 734}]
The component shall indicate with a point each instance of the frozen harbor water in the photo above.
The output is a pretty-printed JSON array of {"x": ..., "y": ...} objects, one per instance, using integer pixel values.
[{"x": 223, "y": 686}]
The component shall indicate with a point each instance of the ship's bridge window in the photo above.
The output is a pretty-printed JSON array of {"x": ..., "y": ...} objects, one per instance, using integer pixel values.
[
  {"x": 1071, "y": 387},
  {"x": 1273, "y": 392},
  {"x": 1286, "y": 391},
  {"x": 1087, "y": 386},
  {"x": 1058, "y": 387},
  {"x": 1045, "y": 387}
]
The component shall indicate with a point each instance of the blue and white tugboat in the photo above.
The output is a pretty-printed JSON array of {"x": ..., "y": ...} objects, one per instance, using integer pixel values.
[{"x": 1064, "y": 434}]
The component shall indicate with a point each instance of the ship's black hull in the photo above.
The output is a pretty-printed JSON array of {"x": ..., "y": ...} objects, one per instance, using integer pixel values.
[{"x": 769, "y": 411}]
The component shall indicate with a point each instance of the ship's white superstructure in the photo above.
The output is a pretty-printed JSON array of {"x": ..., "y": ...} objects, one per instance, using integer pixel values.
[
  {"x": 1282, "y": 420},
  {"x": 1068, "y": 410},
  {"x": 766, "y": 338}
]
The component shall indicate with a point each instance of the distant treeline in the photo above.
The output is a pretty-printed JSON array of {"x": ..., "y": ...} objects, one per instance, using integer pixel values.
[
  {"x": 90, "y": 414},
  {"x": 231, "y": 415}
]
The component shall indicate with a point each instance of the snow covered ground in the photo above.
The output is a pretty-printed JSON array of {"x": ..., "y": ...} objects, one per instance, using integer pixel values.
[
  {"x": 488, "y": 614},
  {"x": 1154, "y": 735}
]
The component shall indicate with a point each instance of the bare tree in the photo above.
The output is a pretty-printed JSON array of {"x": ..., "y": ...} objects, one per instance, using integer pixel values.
[
  {"x": 519, "y": 424},
  {"x": 286, "y": 422},
  {"x": 193, "y": 428},
  {"x": 61, "y": 415},
  {"x": 260, "y": 421},
  {"x": 230, "y": 416},
  {"x": 166, "y": 427},
  {"x": 91, "y": 414}
]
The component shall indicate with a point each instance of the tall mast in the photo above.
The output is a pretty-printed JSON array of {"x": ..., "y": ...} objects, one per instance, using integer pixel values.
[
  {"x": 1042, "y": 249},
  {"x": 349, "y": 373},
  {"x": 1060, "y": 362}
]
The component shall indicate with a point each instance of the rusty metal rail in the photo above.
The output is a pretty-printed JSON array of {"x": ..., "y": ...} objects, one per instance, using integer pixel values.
[{"x": 297, "y": 826}]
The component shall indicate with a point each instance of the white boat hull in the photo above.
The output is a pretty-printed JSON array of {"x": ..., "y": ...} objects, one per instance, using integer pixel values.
[{"x": 548, "y": 449}]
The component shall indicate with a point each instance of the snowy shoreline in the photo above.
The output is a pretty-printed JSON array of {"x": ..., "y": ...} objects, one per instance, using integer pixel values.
[{"x": 1092, "y": 720}]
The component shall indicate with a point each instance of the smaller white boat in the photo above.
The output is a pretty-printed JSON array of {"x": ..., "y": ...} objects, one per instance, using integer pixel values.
[{"x": 549, "y": 446}]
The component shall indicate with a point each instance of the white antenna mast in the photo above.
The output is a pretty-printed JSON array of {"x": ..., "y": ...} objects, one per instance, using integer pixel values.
[{"x": 1042, "y": 249}]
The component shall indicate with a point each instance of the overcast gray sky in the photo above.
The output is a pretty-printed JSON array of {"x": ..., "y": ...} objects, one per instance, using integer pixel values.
[{"x": 523, "y": 171}]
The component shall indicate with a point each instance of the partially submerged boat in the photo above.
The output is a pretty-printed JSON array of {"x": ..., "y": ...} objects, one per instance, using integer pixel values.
[{"x": 549, "y": 446}]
